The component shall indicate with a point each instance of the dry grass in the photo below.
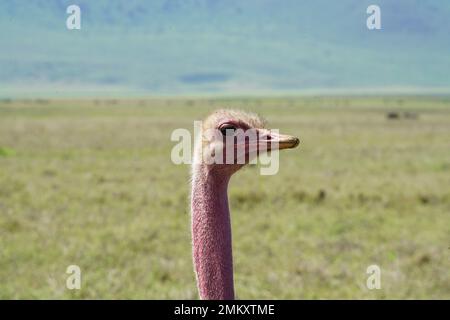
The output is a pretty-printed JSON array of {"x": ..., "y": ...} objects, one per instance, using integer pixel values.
[{"x": 91, "y": 183}]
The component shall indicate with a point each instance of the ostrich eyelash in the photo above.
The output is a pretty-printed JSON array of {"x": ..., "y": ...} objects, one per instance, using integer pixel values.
[{"x": 228, "y": 130}]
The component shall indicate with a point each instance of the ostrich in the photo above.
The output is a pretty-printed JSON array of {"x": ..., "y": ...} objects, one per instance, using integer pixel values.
[{"x": 211, "y": 227}]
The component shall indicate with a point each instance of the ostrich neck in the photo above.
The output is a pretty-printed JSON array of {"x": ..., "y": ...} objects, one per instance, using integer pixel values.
[{"x": 211, "y": 234}]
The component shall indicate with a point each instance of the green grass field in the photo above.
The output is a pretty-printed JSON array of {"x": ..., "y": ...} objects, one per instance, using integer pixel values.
[{"x": 91, "y": 183}]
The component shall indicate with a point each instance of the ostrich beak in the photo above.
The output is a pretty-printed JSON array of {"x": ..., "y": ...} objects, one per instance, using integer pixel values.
[{"x": 283, "y": 141}]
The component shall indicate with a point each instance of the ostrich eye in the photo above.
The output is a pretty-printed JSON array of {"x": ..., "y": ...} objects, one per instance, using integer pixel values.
[{"x": 228, "y": 130}]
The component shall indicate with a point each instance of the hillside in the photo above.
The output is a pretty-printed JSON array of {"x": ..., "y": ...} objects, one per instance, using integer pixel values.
[{"x": 221, "y": 46}]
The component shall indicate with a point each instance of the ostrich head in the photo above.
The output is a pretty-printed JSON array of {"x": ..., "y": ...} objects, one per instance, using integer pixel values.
[{"x": 230, "y": 139}]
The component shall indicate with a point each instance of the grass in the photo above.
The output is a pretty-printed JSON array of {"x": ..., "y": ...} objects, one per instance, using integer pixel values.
[{"x": 90, "y": 182}]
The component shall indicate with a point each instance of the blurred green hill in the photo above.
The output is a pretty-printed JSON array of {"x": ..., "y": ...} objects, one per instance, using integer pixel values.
[{"x": 218, "y": 46}]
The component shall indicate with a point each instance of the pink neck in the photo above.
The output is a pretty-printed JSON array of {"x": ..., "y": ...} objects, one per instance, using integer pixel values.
[{"x": 211, "y": 234}]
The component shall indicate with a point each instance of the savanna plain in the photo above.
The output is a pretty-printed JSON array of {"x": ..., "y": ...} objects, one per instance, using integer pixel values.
[{"x": 90, "y": 182}]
